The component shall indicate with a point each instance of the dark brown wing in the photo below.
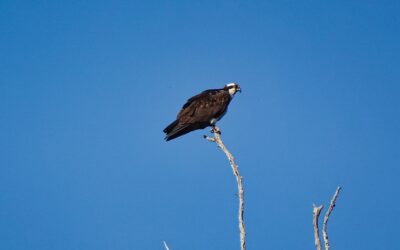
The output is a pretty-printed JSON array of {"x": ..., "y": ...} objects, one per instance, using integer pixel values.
[{"x": 204, "y": 107}]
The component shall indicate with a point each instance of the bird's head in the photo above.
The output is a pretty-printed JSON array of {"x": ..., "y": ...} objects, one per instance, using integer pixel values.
[{"x": 232, "y": 88}]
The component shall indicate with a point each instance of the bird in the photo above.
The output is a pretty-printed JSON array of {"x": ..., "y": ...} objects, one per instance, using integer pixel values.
[{"x": 202, "y": 110}]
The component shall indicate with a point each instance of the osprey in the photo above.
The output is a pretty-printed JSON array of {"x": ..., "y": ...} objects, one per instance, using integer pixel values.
[{"x": 202, "y": 110}]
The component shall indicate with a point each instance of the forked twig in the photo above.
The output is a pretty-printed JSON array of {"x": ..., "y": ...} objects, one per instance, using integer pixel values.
[{"x": 316, "y": 213}]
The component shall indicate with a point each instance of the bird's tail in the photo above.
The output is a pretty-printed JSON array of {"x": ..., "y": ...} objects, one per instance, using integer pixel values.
[
  {"x": 170, "y": 127},
  {"x": 175, "y": 130}
]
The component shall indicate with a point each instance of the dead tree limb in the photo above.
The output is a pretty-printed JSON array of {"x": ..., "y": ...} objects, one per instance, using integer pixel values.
[
  {"x": 316, "y": 213},
  {"x": 217, "y": 139},
  {"x": 326, "y": 218}
]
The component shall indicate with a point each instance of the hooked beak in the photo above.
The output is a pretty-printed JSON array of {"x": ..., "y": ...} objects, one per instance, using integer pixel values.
[{"x": 239, "y": 89}]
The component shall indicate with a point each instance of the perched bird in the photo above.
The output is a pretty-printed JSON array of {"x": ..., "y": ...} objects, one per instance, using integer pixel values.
[{"x": 202, "y": 110}]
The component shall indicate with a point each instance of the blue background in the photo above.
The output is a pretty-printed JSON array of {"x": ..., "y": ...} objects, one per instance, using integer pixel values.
[{"x": 86, "y": 88}]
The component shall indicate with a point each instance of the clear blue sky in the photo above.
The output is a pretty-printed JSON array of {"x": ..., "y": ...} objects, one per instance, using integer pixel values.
[{"x": 86, "y": 88}]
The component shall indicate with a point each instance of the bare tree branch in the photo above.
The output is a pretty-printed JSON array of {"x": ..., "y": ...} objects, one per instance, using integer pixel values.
[
  {"x": 326, "y": 218},
  {"x": 217, "y": 139},
  {"x": 316, "y": 212},
  {"x": 165, "y": 245}
]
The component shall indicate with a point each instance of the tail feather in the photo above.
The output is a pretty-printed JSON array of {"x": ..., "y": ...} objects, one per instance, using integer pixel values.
[
  {"x": 170, "y": 127},
  {"x": 178, "y": 130}
]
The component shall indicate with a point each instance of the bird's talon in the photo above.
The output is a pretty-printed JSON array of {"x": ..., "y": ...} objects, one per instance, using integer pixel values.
[{"x": 215, "y": 130}]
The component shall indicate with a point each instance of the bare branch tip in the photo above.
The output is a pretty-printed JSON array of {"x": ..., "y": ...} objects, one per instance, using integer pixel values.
[
  {"x": 210, "y": 139},
  {"x": 165, "y": 245}
]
